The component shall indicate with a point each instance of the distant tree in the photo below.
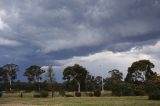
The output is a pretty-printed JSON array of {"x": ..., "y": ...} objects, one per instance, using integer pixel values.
[
  {"x": 76, "y": 73},
  {"x": 98, "y": 83},
  {"x": 123, "y": 89},
  {"x": 140, "y": 71},
  {"x": 3, "y": 76},
  {"x": 10, "y": 72},
  {"x": 33, "y": 73},
  {"x": 50, "y": 73},
  {"x": 153, "y": 84},
  {"x": 90, "y": 83},
  {"x": 115, "y": 77}
]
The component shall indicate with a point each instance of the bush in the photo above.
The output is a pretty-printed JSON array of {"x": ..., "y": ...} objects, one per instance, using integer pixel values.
[
  {"x": 123, "y": 89},
  {"x": 155, "y": 95},
  {"x": 44, "y": 94},
  {"x": 1, "y": 94},
  {"x": 69, "y": 95},
  {"x": 62, "y": 93},
  {"x": 21, "y": 94},
  {"x": 97, "y": 93},
  {"x": 36, "y": 95},
  {"x": 139, "y": 92},
  {"x": 90, "y": 94},
  {"x": 77, "y": 94}
]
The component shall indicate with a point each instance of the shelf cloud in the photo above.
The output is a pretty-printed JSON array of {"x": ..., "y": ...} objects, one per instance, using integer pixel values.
[{"x": 48, "y": 32}]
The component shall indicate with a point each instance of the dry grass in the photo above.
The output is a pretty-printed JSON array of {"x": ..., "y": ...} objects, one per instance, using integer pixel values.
[
  {"x": 28, "y": 100},
  {"x": 28, "y": 105}
]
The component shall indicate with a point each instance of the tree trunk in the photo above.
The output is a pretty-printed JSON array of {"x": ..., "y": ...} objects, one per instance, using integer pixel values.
[
  {"x": 39, "y": 88},
  {"x": 52, "y": 90},
  {"x": 79, "y": 87},
  {"x": 10, "y": 84}
]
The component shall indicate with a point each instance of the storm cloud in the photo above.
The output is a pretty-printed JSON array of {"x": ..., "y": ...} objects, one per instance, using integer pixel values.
[{"x": 46, "y": 32}]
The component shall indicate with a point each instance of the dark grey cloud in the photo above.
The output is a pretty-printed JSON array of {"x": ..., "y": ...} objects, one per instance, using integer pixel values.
[{"x": 40, "y": 31}]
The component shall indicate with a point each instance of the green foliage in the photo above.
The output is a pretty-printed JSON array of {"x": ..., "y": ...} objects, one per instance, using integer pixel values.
[
  {"x": 10, "y": 71},
  {"x": 62, "y": 92},
  {"x": 90, "y": 83},
  {"x": 123, "y": 89},
  {"x": 3, "y": 74},
  {"x": 36, "y": 95},
  {"x": 33, "y": 73},
  {"x": 153, "y": 84},
  {"x": 50, "y": 73},
  {"x": 69, "y": 95},
  {"x": 1, "y": 94},
  {"x": 98, "y": 83},
  {"x": 90, "y": 94},
  {"x": 139, "y": 90},
  {"x": 115, "y": 78},
  {"x": 77, "y": 94},
  {"x": 155, "y": 95},
  {"x": 44, "y": 94},
  {"x": 76, "y": 74},
  {"x": 116, "y": 75},
  {"x": 140, "y": 71},
  {"x": 97, "y": 93}
]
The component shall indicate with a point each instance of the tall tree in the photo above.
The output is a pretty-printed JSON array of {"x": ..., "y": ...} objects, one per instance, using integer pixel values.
[
  {"x": 115, "y": 77},
  {"x": 3, "y": 76},
  {"x": 98, "y": 83},
  {"x": 50, "y": 73},
  {"x": 76, "y": 73},
  {"x": 140, "y": 71},
  {"x": 90, "y": 83},
  {"x": 33, "y": 73},
  {"x": 10, "y": 71}
]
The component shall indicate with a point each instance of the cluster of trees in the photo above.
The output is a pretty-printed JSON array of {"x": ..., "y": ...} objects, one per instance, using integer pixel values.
[{"x": 140, "y": 79}]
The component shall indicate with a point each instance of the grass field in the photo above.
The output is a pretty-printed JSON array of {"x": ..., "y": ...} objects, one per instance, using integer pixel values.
[{"x": 83, "y": 101}]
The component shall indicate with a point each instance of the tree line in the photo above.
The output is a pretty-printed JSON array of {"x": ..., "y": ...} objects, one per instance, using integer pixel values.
[{"x": 140, "y": 80}]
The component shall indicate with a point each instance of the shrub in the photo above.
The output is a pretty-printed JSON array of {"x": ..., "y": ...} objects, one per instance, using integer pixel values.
[
  {"x": 78, "y": 94},
  {"x": 62, "y": 93},
  {"x": 44, "y": 94},
  {"x": 139, "y": 92},
  {"x": 154, "y": 95},
  {"x": 123, "y": 89},
  {"x": 1, "y": 94},
  {"x": 36, "y": 95},
  {"x": 21, "y": 94},
  {"x": 90, "y": 94},
  {"x": 69, "y": 95},
  {"x": 97, "y": 93}
]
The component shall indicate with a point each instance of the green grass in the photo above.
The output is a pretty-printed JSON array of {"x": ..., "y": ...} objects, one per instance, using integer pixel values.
[{"x": 83, "y": 101}]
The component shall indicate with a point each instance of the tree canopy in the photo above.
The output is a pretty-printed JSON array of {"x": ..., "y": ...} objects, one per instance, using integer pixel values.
[
  {"x": 140, "y": 71},
  {"x": 33, "y": 73},
  {"x": 76, "y": 73}
]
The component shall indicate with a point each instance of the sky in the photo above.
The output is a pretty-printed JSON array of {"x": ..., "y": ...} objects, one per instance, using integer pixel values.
[{"x": 100, "y": 35}]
